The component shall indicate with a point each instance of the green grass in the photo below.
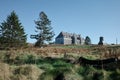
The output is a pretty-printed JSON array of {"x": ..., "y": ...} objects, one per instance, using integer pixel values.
[
  {"x": 73, "y": 46},
  {"x": 22, "y": 64}
]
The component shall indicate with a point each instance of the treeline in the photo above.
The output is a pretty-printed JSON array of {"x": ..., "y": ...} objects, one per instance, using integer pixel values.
[
  {"x": 88, "y": 40},
  {"x": 12, "y": 33}
]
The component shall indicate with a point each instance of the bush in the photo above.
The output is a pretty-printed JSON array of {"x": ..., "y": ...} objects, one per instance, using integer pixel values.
[
  {"x": 115, "y": 75},
  {"x": 25, "y": 59}
]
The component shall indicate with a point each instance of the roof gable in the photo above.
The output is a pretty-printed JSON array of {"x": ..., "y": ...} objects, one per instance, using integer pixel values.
[{"x": 67, "y": 35}]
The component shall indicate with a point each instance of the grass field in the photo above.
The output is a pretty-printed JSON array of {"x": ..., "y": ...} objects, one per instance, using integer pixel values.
[{"x": 51, "y": 63}]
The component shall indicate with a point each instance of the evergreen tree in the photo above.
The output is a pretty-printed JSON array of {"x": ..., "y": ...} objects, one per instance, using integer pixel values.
[
  {"x": 12, "y": 32},
  {"x": 44, "y": 30},
  {"x": 87, "y": 40},
  {"x": 101, "y": 40}
]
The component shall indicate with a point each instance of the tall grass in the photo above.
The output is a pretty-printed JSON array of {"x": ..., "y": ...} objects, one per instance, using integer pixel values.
[{"x": 28, "y": 65}]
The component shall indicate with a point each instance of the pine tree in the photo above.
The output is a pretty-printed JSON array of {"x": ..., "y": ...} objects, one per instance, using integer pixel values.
[
  {"x": 44, "y": 30},
  {"x": 12, "y": 32},
  {"x": 87, "y": 40}
]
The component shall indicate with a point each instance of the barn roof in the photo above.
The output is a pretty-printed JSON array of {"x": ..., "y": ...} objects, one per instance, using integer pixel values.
[{"x": 66, "y": 34}]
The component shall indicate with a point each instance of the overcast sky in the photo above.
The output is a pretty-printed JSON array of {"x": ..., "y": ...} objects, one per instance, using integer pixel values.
[{"x": 93, "y": 18}]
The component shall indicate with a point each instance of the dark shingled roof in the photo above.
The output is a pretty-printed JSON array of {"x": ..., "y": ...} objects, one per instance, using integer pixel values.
[{"x": 66, "y": 34}]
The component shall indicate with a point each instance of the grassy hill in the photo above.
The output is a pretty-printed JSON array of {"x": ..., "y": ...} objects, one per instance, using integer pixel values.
[{"x": 57, "y": 63}]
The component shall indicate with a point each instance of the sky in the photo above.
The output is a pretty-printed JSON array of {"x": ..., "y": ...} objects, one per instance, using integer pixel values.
[{"x": 93, "y": 18}]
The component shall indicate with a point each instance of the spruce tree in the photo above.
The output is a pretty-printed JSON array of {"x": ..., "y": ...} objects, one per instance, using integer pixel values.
[
  {"x": 87, "y": 40},
  {"x": 12, "y": 32},
  {"x": 43, "y": 29},
  {"x": 101, "y": 40}
]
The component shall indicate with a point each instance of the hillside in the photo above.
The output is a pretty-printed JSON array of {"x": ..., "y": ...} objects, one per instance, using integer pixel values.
[{"x": 58, "y": 63}]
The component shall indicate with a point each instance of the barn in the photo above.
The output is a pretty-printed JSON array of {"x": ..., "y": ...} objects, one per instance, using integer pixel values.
[{"x": 69, "y": 38}]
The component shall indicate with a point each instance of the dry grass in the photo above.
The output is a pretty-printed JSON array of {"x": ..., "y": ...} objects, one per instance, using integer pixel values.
[
  {"x": 5, "y": 71},
  {"x": 28, "y": 71},
  {"x": 23, "y": 72}
]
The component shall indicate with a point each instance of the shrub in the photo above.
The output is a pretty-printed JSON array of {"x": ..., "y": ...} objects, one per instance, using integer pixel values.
[
  {"x": 25, "y": 59},
  {"x": 115, "y": 75}
]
